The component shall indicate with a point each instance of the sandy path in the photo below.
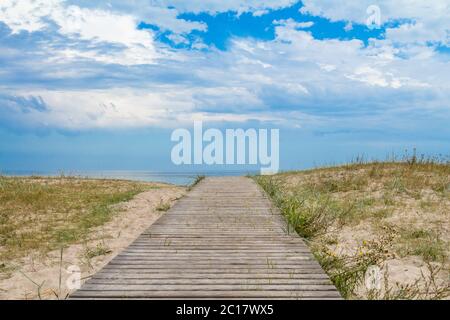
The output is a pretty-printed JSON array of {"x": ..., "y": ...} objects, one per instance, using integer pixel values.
[{"x": 133, "y": 218}]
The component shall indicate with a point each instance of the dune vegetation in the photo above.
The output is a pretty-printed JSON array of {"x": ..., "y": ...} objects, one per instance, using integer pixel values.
[
  {"x": 42, "y": 214},
  {"x": 394, "y": 215}
]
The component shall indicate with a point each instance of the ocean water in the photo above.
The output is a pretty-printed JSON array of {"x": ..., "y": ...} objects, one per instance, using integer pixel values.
[{"x": 178, "y": 178}]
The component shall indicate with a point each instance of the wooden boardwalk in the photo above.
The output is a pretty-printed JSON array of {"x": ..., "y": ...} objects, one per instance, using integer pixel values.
[{"x": 221, "y": 241}]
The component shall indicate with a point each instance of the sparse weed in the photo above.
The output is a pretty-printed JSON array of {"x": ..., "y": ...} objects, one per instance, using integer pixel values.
[
  {"x": 163, "y": 206},
  {"x": 427, "y": 287},
  {"x": 99, "y": 250},
  {"x": 47, "y": 213},
  {"x": 197, "y": 180},
  {"x": 369, "y": 196},
  {"x": 423, "y": 243},
  {"x": 347, "y": 271},
  {"x": 306, "y": 215}
]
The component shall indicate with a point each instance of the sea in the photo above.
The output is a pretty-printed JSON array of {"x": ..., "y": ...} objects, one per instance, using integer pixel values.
[{"x": 177, "y": 178}]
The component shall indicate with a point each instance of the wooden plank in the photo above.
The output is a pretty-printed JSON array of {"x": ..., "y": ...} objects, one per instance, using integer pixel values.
[
  {"x": 201, "y": 281},
  {"x": 251, "y": 294},
  {"x": 207, "y": 259},
  {"x": 188, "y": 275},
  {"x": 222, "y": 241},
  {"x": 207, "y": 287},
  {"x": 230, "y": 266},
  {"x": 212, "y": 271}
]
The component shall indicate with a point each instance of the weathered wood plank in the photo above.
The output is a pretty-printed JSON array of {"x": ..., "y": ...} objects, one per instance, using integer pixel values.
[
  {"x": 251, "y": 294},
  {"x": 141, "y": 281},
  {"x": 222, "y": 241},
  {"x": 208, "y": 287}
]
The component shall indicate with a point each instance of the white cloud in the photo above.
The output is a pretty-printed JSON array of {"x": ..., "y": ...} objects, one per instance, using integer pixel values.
[
  {"x": 167, "y": 19},
  {"x": 26, "y": 14},
  {"x": 376, "y": 77},
  {"x": 100, "y": 26},
  {"x": 355, "y": 10},
  {"x": 130, "y": 108},
  {"x": 348, "y": 27},
  {"x": 294, "y": 79},
  {"x": 259, "y": 13},
  {"x": 291, "y": 23},
  {"x": 431, "y": 19},
  {"x": 92, "y": 25},
  {"x": 215, "y": 6},
  {"x": 155, "y": 13},
  {"x": 113, "y": 108},
  {"x": 419, "y": 33},
  {"x": 326, "y": 67},
  {"x": 31, "y": 15}
]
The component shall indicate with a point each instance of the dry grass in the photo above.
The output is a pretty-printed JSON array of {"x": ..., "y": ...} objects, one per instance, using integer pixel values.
[
  {"x": 43, "y": 214},
  {"x": 363, "y": 214},
  {"x": 163, "y": 206},
  {"x": 197, "y": 180}
]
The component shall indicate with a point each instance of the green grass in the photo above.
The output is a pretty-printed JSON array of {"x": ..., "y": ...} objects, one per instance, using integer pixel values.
[
  {"x": 347, "y": 272},
  {"x": 318, "y": 203},
  {"x": 43, "y": 214},
  {"x": 163, "y": 206},
  {"x": 197, "y": 180},
  {"x": 99, "y": 250},
  {"x": 424, "y": 243}
]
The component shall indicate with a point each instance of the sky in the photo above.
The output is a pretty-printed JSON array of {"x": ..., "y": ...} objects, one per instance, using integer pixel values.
[{"x": 100, "y": 85}]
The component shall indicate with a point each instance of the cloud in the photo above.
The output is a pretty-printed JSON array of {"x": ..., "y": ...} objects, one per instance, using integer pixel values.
[
  {"x": 93, "y": 25},
  {"x": 423, "y": 20},
  {"x": 291, "y": 23},
  {"x": 21, "y": 111},
  {"x": 26, "y": 15},
  {"x": 160, "y": 14},
  {"x": 420, "y": 33},
  {"x": 293, "y": 80},
  {"x": 23, "y": 104},
  {"x": 125, "y": 108},
  {"x": 240, "y": 6},
  {"x": 375, "y": 77},
  {"x": 34, "y": 15},
  {"x": 101, "y": 26},
  {"x": 79, "y": 66}
]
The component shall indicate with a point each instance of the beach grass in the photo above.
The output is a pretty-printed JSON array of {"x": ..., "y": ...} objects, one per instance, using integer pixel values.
[
  {"x": 372, "y": 213},
  {"x": 40, "y": 214},
  {"x": 196, "y": 181}
]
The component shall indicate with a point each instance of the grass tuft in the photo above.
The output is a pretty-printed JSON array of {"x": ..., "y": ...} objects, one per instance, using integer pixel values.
[
  {"x": 99, "y": 250},
  {"x": 44, "y": 214},
  {"x": 163, "y": 206},
  {"x": 401, "y": 205},
  {"x": 197, "y": 180}
]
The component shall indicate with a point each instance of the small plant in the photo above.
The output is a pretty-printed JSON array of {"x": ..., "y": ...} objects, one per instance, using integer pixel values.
[
  {"x": 424, "y": 243},
  {"x": 197, "y": 180},
  {"x": 163, "y": 206},
  {"x": 47, "y": 213},
  {"x": 424, "y": 288},
  {"x": 308, "y": 215},
  {"x": 347, "y": 271},
  {"x": 37, "y": 285},
  {"x": 99, "y": 250},
  {"x": 271, "y": 264},
  {"x": 396, "y": 202}
]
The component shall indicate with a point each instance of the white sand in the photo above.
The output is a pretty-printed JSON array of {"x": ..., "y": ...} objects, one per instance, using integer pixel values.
[{"x": 133, "y": 218}]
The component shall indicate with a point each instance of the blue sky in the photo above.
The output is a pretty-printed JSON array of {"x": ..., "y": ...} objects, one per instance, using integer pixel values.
[{"x": 90, "y": 85}]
